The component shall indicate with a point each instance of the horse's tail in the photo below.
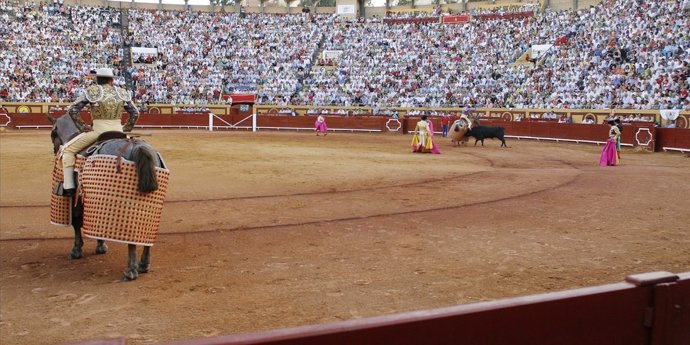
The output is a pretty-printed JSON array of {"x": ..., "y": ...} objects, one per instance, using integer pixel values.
[{"x": 145, "y": 162}]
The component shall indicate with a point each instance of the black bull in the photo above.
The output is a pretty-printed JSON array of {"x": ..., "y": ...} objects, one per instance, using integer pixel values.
[{"x": 479, "y": 133}]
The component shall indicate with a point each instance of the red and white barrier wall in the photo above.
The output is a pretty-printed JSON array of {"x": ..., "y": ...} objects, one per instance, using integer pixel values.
[{"x": 634, "y": 134}]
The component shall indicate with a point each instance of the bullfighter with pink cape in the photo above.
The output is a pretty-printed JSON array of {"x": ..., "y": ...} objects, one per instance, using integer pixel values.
[
  {"x": 422, "y": 141},
  {"x": 320, "y": 125},
  {"x": 609, "y": 155}
]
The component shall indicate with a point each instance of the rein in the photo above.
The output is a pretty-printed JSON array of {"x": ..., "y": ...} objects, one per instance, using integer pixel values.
[{"x": 122, "y": 151}]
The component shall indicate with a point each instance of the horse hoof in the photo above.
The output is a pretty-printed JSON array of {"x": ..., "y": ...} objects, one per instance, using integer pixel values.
[
  {"x": 141, "y": 268},
  {"x": 102, "y": 249},
  {"x": 76, "y": 254},
  {"x": 131, "y": 274}
]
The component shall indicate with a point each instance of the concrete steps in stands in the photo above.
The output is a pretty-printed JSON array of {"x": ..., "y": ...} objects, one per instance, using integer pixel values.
[{"x": 126, "y": 49}]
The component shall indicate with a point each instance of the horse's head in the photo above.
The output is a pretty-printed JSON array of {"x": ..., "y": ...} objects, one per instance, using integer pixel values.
[
  {"x": 54, "y": 138},
  {"x": 63, "y": 131}
]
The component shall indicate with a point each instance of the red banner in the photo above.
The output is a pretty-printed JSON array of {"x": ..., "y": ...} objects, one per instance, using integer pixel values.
[
  {"x": 462, "y": 18},
  {"x": 237, "y": 98}
]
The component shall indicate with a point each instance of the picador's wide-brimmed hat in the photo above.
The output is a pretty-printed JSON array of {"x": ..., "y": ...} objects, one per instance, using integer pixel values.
[{"x": 105, "y": 72}]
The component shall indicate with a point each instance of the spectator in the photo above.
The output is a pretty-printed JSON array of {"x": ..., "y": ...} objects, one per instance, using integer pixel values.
[
  {"x": 621, "y": 54},
  {"x": 445, "y": 121}
]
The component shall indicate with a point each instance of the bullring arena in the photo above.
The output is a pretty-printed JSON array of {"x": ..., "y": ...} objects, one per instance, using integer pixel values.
[
  {"x": 277, "y": 229},
  {"x": 271, "y": 234}
]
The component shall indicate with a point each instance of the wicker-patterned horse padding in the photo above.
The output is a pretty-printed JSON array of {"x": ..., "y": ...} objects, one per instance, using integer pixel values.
[
  {"x": 60, "y": 210},
  {"x": 113, "y": 207}
]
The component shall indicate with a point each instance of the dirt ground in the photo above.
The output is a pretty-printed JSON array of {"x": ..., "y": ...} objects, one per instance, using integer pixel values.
[{"x": 280, "y": 229}]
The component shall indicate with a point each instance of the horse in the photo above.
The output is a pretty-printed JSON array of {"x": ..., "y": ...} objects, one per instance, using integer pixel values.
[
  {"x": 460, "y": 127},
  {"x": 145, "y": 159},
  {"x": 457, "y": 133}
]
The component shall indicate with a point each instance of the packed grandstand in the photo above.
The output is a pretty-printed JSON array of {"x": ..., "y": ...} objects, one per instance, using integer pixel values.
[{"x": 620, "y": 54}]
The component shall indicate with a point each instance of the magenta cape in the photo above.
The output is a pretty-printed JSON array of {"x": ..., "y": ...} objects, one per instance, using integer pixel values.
[
  {"x": 434, "y": 147},
  {"x": 609, "y": 157},
  {"x": 321, "y": 126}
]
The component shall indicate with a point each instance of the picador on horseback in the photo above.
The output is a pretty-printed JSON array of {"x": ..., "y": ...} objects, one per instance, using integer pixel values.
[
  {"x": 122, "y": 181},
  {"x": 107, "y": 105}
]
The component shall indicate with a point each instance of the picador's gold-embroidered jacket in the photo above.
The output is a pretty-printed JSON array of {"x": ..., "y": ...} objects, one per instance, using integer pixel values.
[{"x": 107, "y": 103}]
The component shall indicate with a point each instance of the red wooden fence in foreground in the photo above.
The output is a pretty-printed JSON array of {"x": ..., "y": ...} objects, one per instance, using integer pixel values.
[{"x": 646, "y": 309}]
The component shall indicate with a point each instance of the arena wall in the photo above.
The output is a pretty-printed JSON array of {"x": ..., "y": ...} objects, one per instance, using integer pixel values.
[
  {"x": 532, "y": 125},
  {"x": 647, "y": 309},
  {"x": 507, "y": 114}
]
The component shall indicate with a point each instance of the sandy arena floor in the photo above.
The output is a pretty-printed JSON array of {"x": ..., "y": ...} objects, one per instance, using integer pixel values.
[{"x": 280, "y": 229}]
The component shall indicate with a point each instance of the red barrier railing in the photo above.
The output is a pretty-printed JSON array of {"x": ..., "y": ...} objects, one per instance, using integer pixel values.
[
  {"x": 646, "y": 309},
  {"x": 634, "y": 134},
  {"x": 677, "y": 139}
]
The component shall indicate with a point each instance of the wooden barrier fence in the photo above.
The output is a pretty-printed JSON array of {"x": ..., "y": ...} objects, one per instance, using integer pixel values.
[
  {"x": 634, "y": 134},
  {"x": 508, "y": 114},
  {"x": 646, "y": 309}
]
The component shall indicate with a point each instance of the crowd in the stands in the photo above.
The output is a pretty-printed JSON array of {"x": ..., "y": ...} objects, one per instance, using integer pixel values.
[
  {"x": 47, "y": 48},
  {"x": 619, "y": 54}
]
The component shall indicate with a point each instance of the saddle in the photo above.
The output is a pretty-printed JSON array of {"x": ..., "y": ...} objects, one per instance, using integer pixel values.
[{"x": 102, "y": 139}]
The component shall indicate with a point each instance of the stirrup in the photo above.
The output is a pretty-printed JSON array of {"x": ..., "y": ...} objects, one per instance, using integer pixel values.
[{"x": 61, "y": 191}]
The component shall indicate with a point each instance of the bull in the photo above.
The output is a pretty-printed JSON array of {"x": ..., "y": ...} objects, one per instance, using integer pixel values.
[{"x": 479, "y": 133}]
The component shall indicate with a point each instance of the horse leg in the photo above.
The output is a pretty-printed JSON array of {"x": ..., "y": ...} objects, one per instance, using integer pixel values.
[
  {"x": 101, "y": 247},
  {"x": 77, "y": 252},
  {"x": 131, "y": 272},
  {"x": 77, "y": 222},
  {"x": 145, "y": 263}
]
